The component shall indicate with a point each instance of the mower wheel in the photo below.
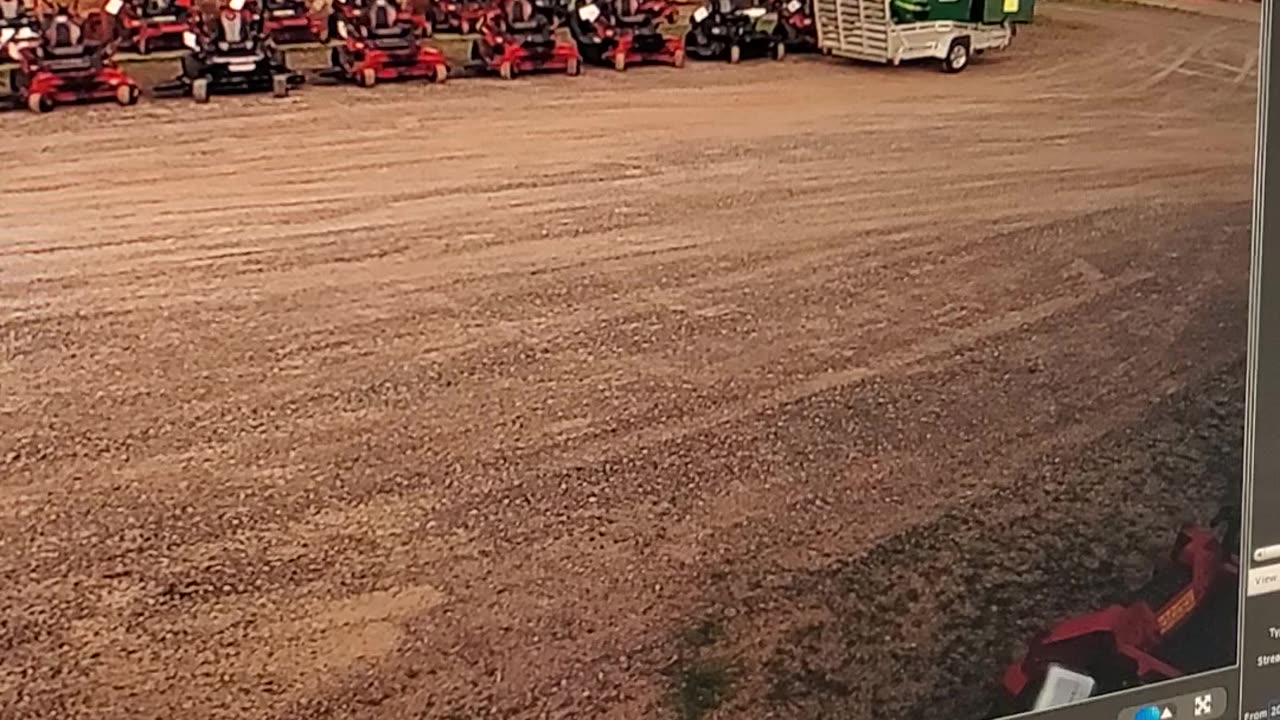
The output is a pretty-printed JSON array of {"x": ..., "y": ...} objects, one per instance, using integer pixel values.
[
  {"x": 506, "y": 71},
  {"x": 573, "y": 68},
  {"x": 38, "y": 103},
  {"x": 200, "y": 90},
  {"x": 127, "y": 95},
  {"x": 677, "y": 60},
  {"x": 620, "y": 62},
  {"x": 280, "y": 85},
  {"x": 368, "y": 78},
  {"x": 779, "y": 51},
  {"x": 441, "y": 73},
  {"x": 735, "y": 54}
]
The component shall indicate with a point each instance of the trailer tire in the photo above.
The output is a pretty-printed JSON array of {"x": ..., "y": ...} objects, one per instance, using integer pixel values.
[
  {"x": 957, "y": 58},
  {"x": 735, "y": 54},
  {"x": 200, "y": 90},
  {"x": 573, "y": 68},
  {"x": 368, "y": 77},
  {"x": 506, "y": 71},
  {"x": 441, "y": 74},
  {"x": 280, "y": 85},
  {"x": 678, "y": 60},
  {"x": 620, "y": 62},
  {"x": 780, "y": 51}
]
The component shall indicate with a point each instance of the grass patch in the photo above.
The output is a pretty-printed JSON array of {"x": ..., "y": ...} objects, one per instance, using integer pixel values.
[{"x": 701, "y": 687}]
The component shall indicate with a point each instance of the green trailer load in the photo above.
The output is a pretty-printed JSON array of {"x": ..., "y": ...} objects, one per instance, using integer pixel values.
[
  {"x": 988, "y": 12},
  {"x": 893, "y": 31}
]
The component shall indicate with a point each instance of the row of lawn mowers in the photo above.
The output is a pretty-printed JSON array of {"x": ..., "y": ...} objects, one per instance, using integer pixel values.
[{"x": 60, "y": 56}]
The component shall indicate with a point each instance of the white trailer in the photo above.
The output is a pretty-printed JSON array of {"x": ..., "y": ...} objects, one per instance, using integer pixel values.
[{"x": 864, "y": 30}]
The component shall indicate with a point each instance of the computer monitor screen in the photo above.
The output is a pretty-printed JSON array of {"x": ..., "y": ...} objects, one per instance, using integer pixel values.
[{"x": 625, "y": 358}]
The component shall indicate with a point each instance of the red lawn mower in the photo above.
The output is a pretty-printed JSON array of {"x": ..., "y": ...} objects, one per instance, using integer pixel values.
[
  {"x": 146, "y": 25},
  {"x": 1181, "y": 622},
  {"x": 626, "y": 32},
  {"x": 290, "y": 22},
  {"x": 517, "y": 39},
  {"x": 65, "y": 67},
  {"x": 796, "y": 28},
  {"x": 460, "y": 16},
  {"x": 351, "y": 11},
  {"x": 378, "y": 45}
]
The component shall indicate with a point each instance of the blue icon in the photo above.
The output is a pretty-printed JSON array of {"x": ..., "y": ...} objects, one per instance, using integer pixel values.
[{"x": 1150, "y": 712}]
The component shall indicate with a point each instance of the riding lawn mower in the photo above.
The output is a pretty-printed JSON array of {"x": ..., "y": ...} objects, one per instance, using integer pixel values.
[
  {"x": 626, "y": 32},
  {"x": 730, "y": 30},
  {"x": 233, "y": 54},
  {"x": 1182, "y": 621},
  {"x": 379, "y": 46},
  {"x": 796, "y": 28},
  {"x": 146, "y": 25},
  {"x": 517, "y": 38},
  {"x": 63, "y": 66}
]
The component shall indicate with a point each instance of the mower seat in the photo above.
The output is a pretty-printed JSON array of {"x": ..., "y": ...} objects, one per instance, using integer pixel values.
[
  {"x": 74, "y": 58},
  {"x": 390, "y": 33},
  {"x": 396, "y": 37},
  {"x": 68, "y": 51}
]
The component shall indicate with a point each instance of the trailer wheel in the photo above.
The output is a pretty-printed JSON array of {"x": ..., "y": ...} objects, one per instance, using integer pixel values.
[
  {"x": 506, "y": 71},
  {"x": 620, "y": 62},
  {"x": 779, "y": 51},
  {"x": 735, "y": 54},
  {"x": 280, "y": 85},
  {"x": 957, "y": 55},
  {"x": 573, "y": 68},
  {"x": 200, "y": 90},
  {"x": 38, "y": 103},
  {"x": 441, "y": 73},
  {"x": 677, "y": 60},
  {"x": 368, "y": 77}
]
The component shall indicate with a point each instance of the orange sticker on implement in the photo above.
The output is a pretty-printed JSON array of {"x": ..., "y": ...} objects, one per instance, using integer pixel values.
[{"x": 1177, "y": 611}]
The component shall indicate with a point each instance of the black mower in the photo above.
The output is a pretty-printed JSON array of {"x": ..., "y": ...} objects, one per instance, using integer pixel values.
[
  {"x": 730, "y": 30},
  {"x": 237, "y": 55}
]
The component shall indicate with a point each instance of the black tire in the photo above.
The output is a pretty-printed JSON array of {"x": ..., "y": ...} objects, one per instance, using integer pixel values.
[
  {"x": 192, "y": 68},
  {"x": 38, "y": 103},
  {"x": 958, "y": 56}
]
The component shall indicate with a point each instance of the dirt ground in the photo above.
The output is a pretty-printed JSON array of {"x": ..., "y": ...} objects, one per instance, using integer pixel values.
[{"x": 697, "y": 392}]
